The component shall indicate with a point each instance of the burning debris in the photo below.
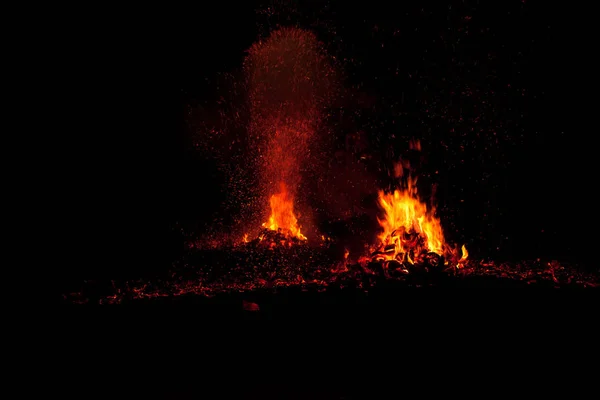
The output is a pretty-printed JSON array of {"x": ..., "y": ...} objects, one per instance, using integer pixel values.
[
  {"x": 282, "y": 227},
  {"x": 412, "y": 237},
  {"x": 272, "y": 238}
]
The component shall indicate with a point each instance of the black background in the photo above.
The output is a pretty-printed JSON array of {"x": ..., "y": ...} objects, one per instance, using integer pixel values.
[
  {"x": 129, "y": 75},
  {"x": 527, "y": 194}
]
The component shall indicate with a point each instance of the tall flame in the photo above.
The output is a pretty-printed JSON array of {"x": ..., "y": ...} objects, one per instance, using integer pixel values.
[
  {"x": 404, "y": 216},
  {"x": 282, "y": 214}
]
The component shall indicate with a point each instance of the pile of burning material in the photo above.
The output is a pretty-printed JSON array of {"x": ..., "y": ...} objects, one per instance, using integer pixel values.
[
  {"x": 412, "y": 238},
  {"x": 273, "y": 238},
  {"x": 282, "y": 229}
]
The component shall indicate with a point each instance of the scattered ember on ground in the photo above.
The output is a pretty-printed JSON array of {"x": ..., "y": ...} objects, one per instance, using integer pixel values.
[{"x": 246, "y": 269}]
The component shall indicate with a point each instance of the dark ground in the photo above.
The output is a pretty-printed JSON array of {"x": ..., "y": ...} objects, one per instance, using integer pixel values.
[{"x": 319, "y": 346}]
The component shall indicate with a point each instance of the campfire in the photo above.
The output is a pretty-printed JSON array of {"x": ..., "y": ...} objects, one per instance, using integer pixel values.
[
  {"x": 282, "y": 229},
  {"x": 412, "y": 235}
]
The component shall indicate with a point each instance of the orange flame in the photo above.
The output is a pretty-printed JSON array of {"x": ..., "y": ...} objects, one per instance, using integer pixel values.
[
  {"x": 410, "y": 228},
  {"x": 404, "y": 215},
  {"x": 290, "y": 80},
  {"x": 465, "y": 253},
  {"x": 282, "y": 214},
  {"x": 463, "y": 258}
]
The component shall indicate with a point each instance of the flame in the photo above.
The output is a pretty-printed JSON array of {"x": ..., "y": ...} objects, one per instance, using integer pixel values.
[
  {"x": 463, "y": 258},
  {"x": 404, "y": 216},
  {"x": 290, "y": 80},
  {"x": 245, "y": 238},
  {"x": 465, "y": 253},
  {"x": 410, "y": 229},
  {"x": 282, "y": 214}
]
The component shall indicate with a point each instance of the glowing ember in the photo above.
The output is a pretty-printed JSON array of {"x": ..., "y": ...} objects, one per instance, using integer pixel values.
[{"x": 282, "y": 215}]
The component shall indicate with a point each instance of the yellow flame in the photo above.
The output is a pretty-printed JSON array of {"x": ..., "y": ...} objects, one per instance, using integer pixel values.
[
  {"x": 465, "y": 253},
  {"x": 404, "y": 212},
  {"x": 463, "y": 258},
  {"x": 282, "y": 214}
]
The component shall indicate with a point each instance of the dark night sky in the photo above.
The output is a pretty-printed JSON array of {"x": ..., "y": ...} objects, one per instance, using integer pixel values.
[{"x": 490, "y": 91}]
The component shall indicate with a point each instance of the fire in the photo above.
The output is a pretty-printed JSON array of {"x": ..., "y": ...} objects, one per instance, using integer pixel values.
[
  {"x": 463, "y": 258},
  {"x": 465, "y": 253},
  {"x": 411, "y": 232},
  {"x": 290, "y": 81},
  {"x": 282, "y": 216},
  {"x": 408, "y": 225}
]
